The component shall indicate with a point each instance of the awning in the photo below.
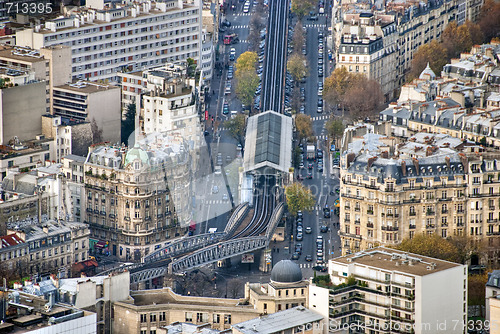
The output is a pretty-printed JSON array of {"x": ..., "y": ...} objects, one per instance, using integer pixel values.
[{"x": 101, "y": 244}]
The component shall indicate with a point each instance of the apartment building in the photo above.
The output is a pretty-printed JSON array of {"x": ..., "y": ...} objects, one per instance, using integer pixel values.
[
  {"x": 139, "y": 198},
  {"x": 54, "y": 246},
  {"x": 383, "y": 290},
  {"x": 73, "y": 170},
  {"x": 368, "y": 45},
  {"x": 90, "y": 101},
  {"x": 107, "y": 39},
  {"x": 14, "y": 254}
]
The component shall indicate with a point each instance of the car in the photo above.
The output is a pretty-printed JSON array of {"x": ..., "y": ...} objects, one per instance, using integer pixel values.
[
  {"x": 299, "y": 237},
  {"x": 300, "y": 177},
  {"x": 320, "y": 73},
  {"x": 320, "y": 61},
  {"x": 319, "y": 253},
  {"x": 319, "y": 260},
  {"x": 232, "y": 51},
  {"x": 320, "y": 110},
  {"x": 295, "y": 256},
  {"x": 308, "y": 230},
  {"x": 304, "y": 51},
  {"x": 215, "y": 190},
  {"x": 324, "y": 228},
  {"x": 309, "y": 258},
  {"x": 299, "y": 246},
  {"x": 301, "y": 165},
  {"x": 320, "y": 46},
  {"x": 239, "y": 147},
  {"x": 246, "y": 7},
  {"x": 320, "y": 168},
  {"x": 319, "y": 238},
  {"x": 320, "y": 268},
  {"x": 309, "y": 175},
  {"x": 299, "y": 229},
  {"x": 261, "y": 59},
  {"x": 225, "y": 108},
  {"x": 310, "y": 166},
  {"x": 298, "y": 250},
  {"x": 320, "y": 102},
  {"x": 332, "y": 148},
  {"x": 302, "y": 109},
  {"x": 232, "y": 57},
  {"x": 300, "y": 214},
  {"x": 230, "y": 75},
  {"x": 226, "y": 23},
  {"x": 224, "y": 197}
]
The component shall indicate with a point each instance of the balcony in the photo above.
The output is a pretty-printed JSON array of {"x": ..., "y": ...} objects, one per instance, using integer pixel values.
[
  {"x": 411, "y": 200},
  {"x": 159, "y": 216},
  {"x": 89, "y": 210},
  {"x": 369, "y": 225},
  {"x": 349, "y": 235},
  {"x": 492, "y": 221},
  {"x": 430, "y": 226},
  {"x": 444, "y": 212},
  {"x": 460, "y": 211},
  {"x": 430, "y": 213},
  {"x": 444, "y": 224},
  {"x": 357, "y": 222},
  {"x": 370, "y": 212},
  {"x": 445, "y": 199},
  {"x": 111, "y": 215},
  {"x": 390, "y": 228},
  {"x": 412, "y": 227},
  {"x": 357, "y": 209},
  {"x": 492, "y": 208},
  {"x": 126, "y": 218},
  {"x": 347, "y": 207},
  {"x": 96, "y": 212},
  {"x": 493, "y": 233},
  {"x": 413, "y": 213},
  {"x": 389, "y": 202}
]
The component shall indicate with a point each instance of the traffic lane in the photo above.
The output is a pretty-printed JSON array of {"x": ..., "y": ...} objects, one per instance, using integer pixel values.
[{"x": 312, "y": 79}]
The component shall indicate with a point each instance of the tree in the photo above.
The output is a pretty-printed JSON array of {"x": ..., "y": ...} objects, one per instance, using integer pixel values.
[
  {"x": 191, "y": 67},
  {"x": 297, "y": 66},
  {"x": 128, "y": 124},
  {"x": 489, "y": 20},
  {"x": 298, "y": 198},
  {"x": 457, "y": 39},
  {"x": 364, "y": 98},
  {"x": 245, "y": 62},
  {"x": 302, "y": 7},
  {"x": 335, "y": 129},
  {"x": 303, "y": 124},
  {"x": 434, "y": 54},
  {"x": 476, "y": 288},
  {"x": 233, "y": 288},
  {"x": 336, "y": 86},
  {"x": 430, "y": 245},
  {"x": 247, "y": 83},
  {"x": 296, "y": 154},
  {"x": 256, "y": 25},
  {"x": 96, "y": 132},
  {"x": 298, "y": 37},
  {"x": 466, "y": 247},
  {"x": 236, "y": 127}
]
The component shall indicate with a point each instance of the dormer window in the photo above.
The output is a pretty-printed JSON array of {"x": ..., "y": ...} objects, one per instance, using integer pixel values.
[{"x": 137, "y": 165}]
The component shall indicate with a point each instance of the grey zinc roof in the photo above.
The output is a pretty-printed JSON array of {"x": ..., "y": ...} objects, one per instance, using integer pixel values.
[
  {"x": 494, "y": 277},
  {"x": 286, "y": 271},
  {"x": 391, "y": 168},
  {"x": 268, "y": 142},
  {"x": 279, "y": 321}
]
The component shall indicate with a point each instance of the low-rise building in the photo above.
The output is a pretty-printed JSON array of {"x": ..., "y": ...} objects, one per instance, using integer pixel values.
[
  {"x": 383, "y": 290},
  {"x": 54, "y": 246},
  {"x": 295, "y": 320},
  {"x": 151, "y": 309},
  {"x": 31, "y": 314}
]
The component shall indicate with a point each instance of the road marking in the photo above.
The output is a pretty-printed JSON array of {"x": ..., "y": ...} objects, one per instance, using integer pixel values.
[
  {"x": 240, "y": 26},
  {"x": 305, "y": 265},
  {"x": 320, "y": 118}
]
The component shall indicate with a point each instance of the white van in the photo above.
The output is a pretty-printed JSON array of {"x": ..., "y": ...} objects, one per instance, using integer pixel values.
[
  {"x": 234, "y": 113},
  {"x": 218, "y": 170}
]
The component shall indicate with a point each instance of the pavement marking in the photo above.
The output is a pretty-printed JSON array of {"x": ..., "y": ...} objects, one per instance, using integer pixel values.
[
  {"x": 243, "y": 14},
  {"x": 240, "y": 26},
  {"x": 320, "y": 118},
  {"x": 305, "y": 265},
  {"x": 315, "y": 25}
]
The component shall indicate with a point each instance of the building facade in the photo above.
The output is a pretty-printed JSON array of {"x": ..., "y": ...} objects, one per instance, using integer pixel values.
[
  {"x": 387, "y": 291},
  {"x": 140, "y": 198},
  {"x": 106, "y": 40}
]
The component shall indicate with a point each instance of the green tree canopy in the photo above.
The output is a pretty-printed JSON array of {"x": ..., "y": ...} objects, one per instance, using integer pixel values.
[
  {"x": 246, "y": 62},
  {"x": 303, "y": 125},
  {"x": 247, "y": 83},
  {"x": 298, "y": 198},
  {"x": 334, "y": 128},
  {"x": 302, "y": 7},
  {"x": 297, "y": 66},
  {"x": 236, "y": 127}
]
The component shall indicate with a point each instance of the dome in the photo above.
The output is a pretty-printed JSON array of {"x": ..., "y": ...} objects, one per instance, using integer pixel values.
[
  {"x": 136, "y": 153},
  {"x": 286, "y": 271},
  {"x": 427, "y": 74}
]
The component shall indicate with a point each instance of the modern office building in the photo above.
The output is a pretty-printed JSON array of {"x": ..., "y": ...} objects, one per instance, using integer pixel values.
[{"x": 109, "y": 38}]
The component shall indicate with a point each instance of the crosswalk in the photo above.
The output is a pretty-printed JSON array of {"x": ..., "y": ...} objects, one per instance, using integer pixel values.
[
  {"x": 216, "y": 201},
  {"x": 242, "y": 14},
  {"x": 322, "y": 137},
  {"x": 306, "y": 265},
  {"x": 243, "y": 41},
  {"x": 242, "y": 26},
  {"x": 320, "y": 118},
  {"x": 317, "y": 25},
  {"x": 314, "y": 208}
]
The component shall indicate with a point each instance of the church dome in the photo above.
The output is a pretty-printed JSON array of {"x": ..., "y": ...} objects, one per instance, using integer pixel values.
[
  {"x": 427, "y": 73},
  {"x": 286, "y": 271}
]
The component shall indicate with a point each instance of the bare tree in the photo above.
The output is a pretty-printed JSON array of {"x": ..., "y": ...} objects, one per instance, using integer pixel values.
[{"x": 234, "y": 286}]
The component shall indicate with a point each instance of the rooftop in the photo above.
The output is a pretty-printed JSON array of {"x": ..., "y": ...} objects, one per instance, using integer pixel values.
[
  {"x": 188, "y": 328},
  {"x": 86, "y": 87},
  {"x": 397, "y": 261},
  {"x": 279, "y": 321},
  {"x": 268, "y": 142},
  {"x": 10, "y": 240}
]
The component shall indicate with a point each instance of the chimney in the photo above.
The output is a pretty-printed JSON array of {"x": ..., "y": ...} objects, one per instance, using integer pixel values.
[
  {"x": 403, "y": 167},
  {"x": 370, "y": 162},
  {"x": 447, "y": 159},
  {"x": 385, "y": 155},
  {"x": 465, "y": 162},
  {"x": 45, "y": 229},
  {"x": 350, "y": 159},
  {"x": 415, "y": 162}
]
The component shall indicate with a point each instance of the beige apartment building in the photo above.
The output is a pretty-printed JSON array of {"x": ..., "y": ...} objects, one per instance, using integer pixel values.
[
  {"x": 139, "y": 198},
  {"x": 422, "y": 187}
]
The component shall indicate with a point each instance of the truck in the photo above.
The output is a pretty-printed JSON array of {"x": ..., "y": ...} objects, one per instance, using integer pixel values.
[
  {"x": 231, "y": 39},
  {"x": 311, "y": 152}
]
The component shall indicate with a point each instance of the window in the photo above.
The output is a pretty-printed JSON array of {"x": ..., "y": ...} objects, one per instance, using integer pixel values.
[
  {"x": 144, "y": 318},
  {"x": 162, "y": 316},
  {"x": 216, "y": 319},
  {"x": 152, "y": 317},
  {"x": 227, "y": 318},
  {"x": 189, "y": 317}
]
